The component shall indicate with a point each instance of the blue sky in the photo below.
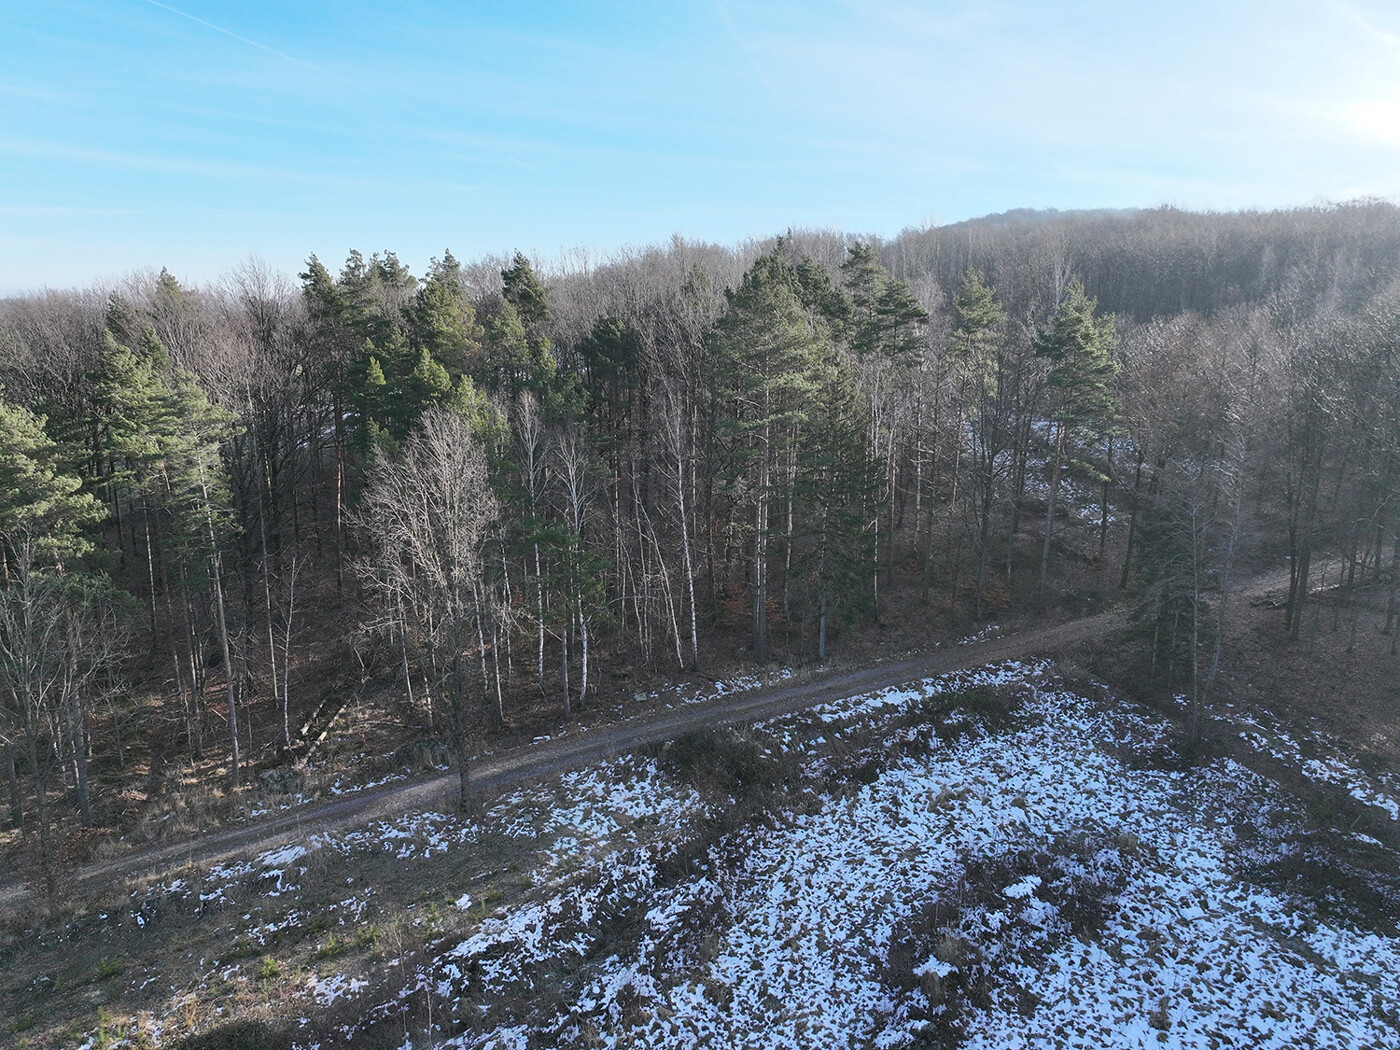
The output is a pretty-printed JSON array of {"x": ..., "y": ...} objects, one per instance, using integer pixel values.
[{"x": 195, "y": 134}]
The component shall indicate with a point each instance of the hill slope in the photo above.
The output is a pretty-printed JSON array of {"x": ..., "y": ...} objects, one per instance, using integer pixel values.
[{"x": 986, "y": 859}]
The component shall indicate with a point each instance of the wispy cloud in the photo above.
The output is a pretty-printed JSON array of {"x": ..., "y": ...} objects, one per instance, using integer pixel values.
[
  {"x": 57, "y": 211},
  {"x": 30, "y": 91},
  {"x": 278, "y": 180},
  {"x": 746, "y": 51},
  {"x": 1378, "y": 35},
  {"x": 236, "y": 36},
  {"x": 946, "y": 23},
  {"x": 215, "y": 169}
]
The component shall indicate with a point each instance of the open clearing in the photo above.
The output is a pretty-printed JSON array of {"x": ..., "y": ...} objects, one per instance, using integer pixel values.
[{"x": 991, "y": 858}]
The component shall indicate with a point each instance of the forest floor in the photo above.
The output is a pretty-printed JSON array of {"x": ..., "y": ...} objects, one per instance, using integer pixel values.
[{"x": 1020, "y": 850}]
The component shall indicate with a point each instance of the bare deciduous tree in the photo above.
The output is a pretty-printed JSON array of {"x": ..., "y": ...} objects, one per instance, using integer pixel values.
[
  {"x": 428, "y": 514},
  {"x": 59, "y": 636}
]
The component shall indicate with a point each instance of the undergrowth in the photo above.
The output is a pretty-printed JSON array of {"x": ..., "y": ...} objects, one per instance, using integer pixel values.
[{"x": 947, "y": 946}]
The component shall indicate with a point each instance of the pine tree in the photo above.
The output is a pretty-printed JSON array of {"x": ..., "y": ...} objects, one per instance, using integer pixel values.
[
  {"x": 161, "y": 439},
  {"x": 41, "y": 502},
  {"x": 884, "y": 317},
  {"x": 131, "y": 422},
  {"x": 515, "y": 361},
  {"x": 57, "y": 626},
  {"x": 442, "y": 321},
  {"x": 766, "y": 355},
  {"x": 886, "y": 330},
  {"x": 973, "y": 353},
  {"x": 394, "y": 385},
  {"x": 333, "y": 345},
  {"x": 1079, "y": 346},
  {"x": 518, "y": 355},
  {"x": 522, "y": 289},
  {"x": 837, "y": 489},
  {"x": 976, "y": 314}
]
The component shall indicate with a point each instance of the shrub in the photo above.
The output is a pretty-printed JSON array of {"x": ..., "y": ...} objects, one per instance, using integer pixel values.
[
  {"x": 725, "y": 762},
  {"x": 1079, "y": 875},
  {"x": 331, "y": 947},
  {"x": 236, "y": 1035}
]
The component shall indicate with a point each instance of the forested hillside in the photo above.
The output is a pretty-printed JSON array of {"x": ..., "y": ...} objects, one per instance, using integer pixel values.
[{"x": 472, "y": 495}]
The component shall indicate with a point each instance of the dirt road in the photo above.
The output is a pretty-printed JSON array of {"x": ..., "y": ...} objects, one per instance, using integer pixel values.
[
  {"x": 583, "y": 746},
  {"x": 578, "y": 747}
]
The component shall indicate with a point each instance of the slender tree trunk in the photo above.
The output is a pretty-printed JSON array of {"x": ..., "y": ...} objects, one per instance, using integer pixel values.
[
  {"x": 565, "y": 635},
  {"x": 80, "y": 767},
  {"x": 1392, "y": 604},
  {"x": 689, "y": 567},
  {"x": 791, "y": 467},
  {"x": 38, "y": 774},
  {"x": 221, "y": 619},
  {"x": 408, "y": 670},
  {"x": 539, "y": 618},
  {"x": 583, "y": 654},
  {"x": 667, "y": 590},
  {"x": 952, "y": 545},
  {"x": 189, "y": 701},
  {"x": 918, "y": 479},
  {"x": 1301, "y": 569},
  {"x": 1171, "y": 648},
  {"x": 287, "y": 656},
  {"x": 1197, "y": 539},
  {"x": 759, "y": 629},
  {"x": 117, "y": 737},
  {"x": 12, "y": 779},
  {"x": 1227, "y": 582},
  {"x": 195, "y": 661},
  {"x": 1103, "y": 506},
  {"x": 150, "y": 573},
  {"x": 496, "y": 671},
  {"x": 1302, "y": 520},
  {"x": 758, "y": 635},
  {"x": 462, "y": 736},
  {"x": 235, "y": 760},
  {"x": 1060, "y": 439},
  {"x": 893, "y": 481},
  {"x": 507, "y": 602},
  {"x": 315, "y": 430},
  {"x": 926, "y": 580},
  {"x": 497, "y": 716},
  {"x": 339, "y": 494},
  {"x": 984, "y": 543},
  {"x": 271, "y": 631},
  {"x": 1020, "y": 452},
  {"x": 1132, "y": 524}
]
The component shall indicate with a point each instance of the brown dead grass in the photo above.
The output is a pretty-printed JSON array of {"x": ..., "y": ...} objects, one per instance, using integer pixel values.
[{"x": 185, "y": 967}]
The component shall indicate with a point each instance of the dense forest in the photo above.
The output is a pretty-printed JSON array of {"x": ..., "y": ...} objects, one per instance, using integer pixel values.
[{"x": 226, "y": 509}]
